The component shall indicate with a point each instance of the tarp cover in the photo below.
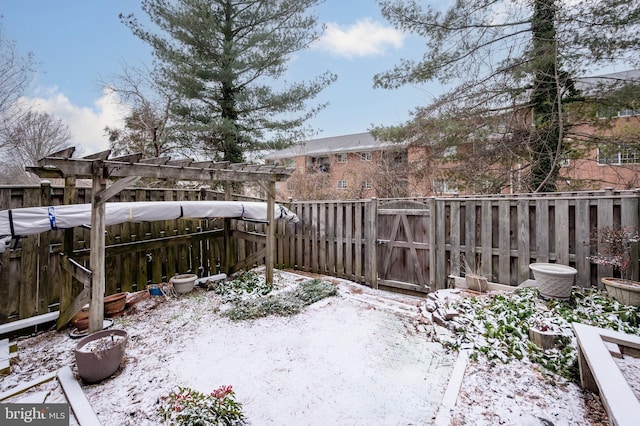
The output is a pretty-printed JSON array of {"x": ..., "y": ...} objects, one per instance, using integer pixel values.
[{"x": 33, "y": 220}]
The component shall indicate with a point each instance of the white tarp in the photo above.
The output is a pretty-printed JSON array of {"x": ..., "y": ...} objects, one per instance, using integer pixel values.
[{"x": 33, "y": 220}]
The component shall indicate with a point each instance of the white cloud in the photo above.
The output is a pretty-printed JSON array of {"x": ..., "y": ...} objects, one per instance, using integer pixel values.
[
  {"x": 86, "y": 124},
  {"x": 364, "y": 38}
]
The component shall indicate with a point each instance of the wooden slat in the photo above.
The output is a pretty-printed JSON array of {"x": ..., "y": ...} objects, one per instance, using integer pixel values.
[
  {"x": 349, "y": 241},
  {"x": 542, "y": 231},
  {"x": 128, "y": 158},
  {"x": 322, "y": 238},
  {"x": 524, "y": 245},
  {"x": 32, "y": 321},
  {"x": 308, "y": 232},
  {"x": 470, "y": 233},
  {"x": 504, "y": 243},
  {"x": 157, "y": 160},
  {"x": 44, "y": 291},
  {"x": 358, "y": 234},
  {"x": 456, "y": 264},
  {"x": 82, "y": 410},
  {"x": 623, "y": 407},
  {"x": 29, "y": 263},
  {"x": 371, "y": 251},
  {"x": 439, "y": 232},
  {"x": 65, "y": 316},
  {"x": 562, "y": 231},
  {"x": 582, "y": 242},
  {"x": 605, "y": 220},
  {"x": 486, "y": 237},
  {"x": 331, "y": 238},
  {"x": 629, "y": 219},
  {"x": 340, "y": 239},
  {"x": 17, "y": 390},
  {"x": 315, "y": 230},
  {"x": 407, "y": 212}
]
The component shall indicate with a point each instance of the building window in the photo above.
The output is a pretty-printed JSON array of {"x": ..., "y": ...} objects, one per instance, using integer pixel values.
[
  {"x": 366, "y": 156},
  {"x": 321, "y": 164},
  {"x": 342, "y": 184},
  {"x": 290, "y": 185},
  {"x": 367, "y": 184},
  {"x": 444, "y": 187},
  {"x": 617, "y": 155},
  {"x": 341, "y": 158}
]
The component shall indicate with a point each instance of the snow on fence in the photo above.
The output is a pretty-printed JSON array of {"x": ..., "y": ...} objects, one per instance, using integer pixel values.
[{"x": 498, "y": 236}]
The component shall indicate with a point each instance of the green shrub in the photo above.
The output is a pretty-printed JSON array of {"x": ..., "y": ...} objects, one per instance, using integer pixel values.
[
  {"x": 497, "y": 326},
  {"x": 286, "y": 303},
  {"x": 188, "y": 407}
]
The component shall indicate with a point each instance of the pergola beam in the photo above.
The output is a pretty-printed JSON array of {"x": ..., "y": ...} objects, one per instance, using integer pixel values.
[{"x": 83, "y": 169}]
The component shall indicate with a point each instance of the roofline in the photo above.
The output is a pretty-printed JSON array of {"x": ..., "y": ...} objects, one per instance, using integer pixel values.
[{"x": 300, "y": 149}]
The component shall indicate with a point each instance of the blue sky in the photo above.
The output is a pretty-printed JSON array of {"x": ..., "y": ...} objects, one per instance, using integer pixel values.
[{"x": 77, "y": 44}]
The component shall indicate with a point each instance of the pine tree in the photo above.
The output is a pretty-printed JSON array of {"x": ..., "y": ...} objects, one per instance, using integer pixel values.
[{"x": 225, "y": 63}]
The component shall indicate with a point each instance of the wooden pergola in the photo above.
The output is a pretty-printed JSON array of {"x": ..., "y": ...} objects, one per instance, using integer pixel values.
[{"x": 125, "y": 170}]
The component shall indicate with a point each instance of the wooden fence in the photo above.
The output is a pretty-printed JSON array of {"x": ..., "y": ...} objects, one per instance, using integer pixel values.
[
  {"x": 356, "y": 240},
  {"x": 136, "y": 253},
  {"x": 498, "y": 236}
]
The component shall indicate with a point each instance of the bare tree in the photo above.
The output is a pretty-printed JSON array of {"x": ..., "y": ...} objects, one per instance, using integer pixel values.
[
  {"x": 146, "y": 128},
  {"x": 15, "y": 74},
  {"x": 30, "y": 137}
]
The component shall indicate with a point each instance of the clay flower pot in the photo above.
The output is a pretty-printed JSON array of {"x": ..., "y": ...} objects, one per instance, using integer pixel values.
[
  {"x": 114, "y": 303},
  {"x": 99, "y": 354},
  {"x": 81, "y": 319},
  {"x": 184, "y": 283}
]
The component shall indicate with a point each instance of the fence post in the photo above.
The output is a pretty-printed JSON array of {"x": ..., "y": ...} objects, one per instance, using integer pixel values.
[
  {"x": 432, "y": 245},
  {"x": 44, "y": 283},
  {"x": 372, "y": 247}
]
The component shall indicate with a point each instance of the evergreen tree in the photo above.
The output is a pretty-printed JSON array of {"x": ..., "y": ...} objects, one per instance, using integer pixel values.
[
  {"x": 224, "y": 61},
  {"x": 511, "y": 71}
]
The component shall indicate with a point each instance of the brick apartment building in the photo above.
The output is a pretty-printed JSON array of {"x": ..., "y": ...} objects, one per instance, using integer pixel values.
[
  {"x": 359, "y": 166},
  {"x": 343, "y": 167}
]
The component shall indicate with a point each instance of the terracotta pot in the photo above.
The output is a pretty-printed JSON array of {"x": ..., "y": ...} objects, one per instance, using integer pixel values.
[
  {"x": 99, "y": 354},
  {"x": 184, "y": 283},
  {"x": 133, "y": 298},
  {"x": 114, "y": 303},
  {"x": 81, "y": 319},
  {"x": 624, "y": 291}
]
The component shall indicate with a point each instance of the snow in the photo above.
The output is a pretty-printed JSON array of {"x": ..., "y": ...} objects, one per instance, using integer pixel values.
[{"x": 364, "y": 357}]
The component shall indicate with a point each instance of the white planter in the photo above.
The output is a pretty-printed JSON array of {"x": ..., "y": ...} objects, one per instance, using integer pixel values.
[
  {"x": 183, "y": 283},
  {"x": 624, "y": 291},
  {"x": 554, "y": 280}
]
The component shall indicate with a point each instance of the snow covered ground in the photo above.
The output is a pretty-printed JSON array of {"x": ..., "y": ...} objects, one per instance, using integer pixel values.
[{"x": 363, "y": 357}]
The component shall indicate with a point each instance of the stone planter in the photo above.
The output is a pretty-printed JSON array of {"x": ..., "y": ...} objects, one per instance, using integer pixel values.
[
  {"x": 624, "y": 291},
  {"x": 99, "y": 354},
  {"x": 183, "y": 283},
  {"x": 554, "y": 280},
  {"x": 544, "y": 339},
  {"x": 476, "y": 282}
]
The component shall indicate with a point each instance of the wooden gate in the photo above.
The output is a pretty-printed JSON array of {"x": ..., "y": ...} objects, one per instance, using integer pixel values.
[{"x": 403, "y": 245}]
